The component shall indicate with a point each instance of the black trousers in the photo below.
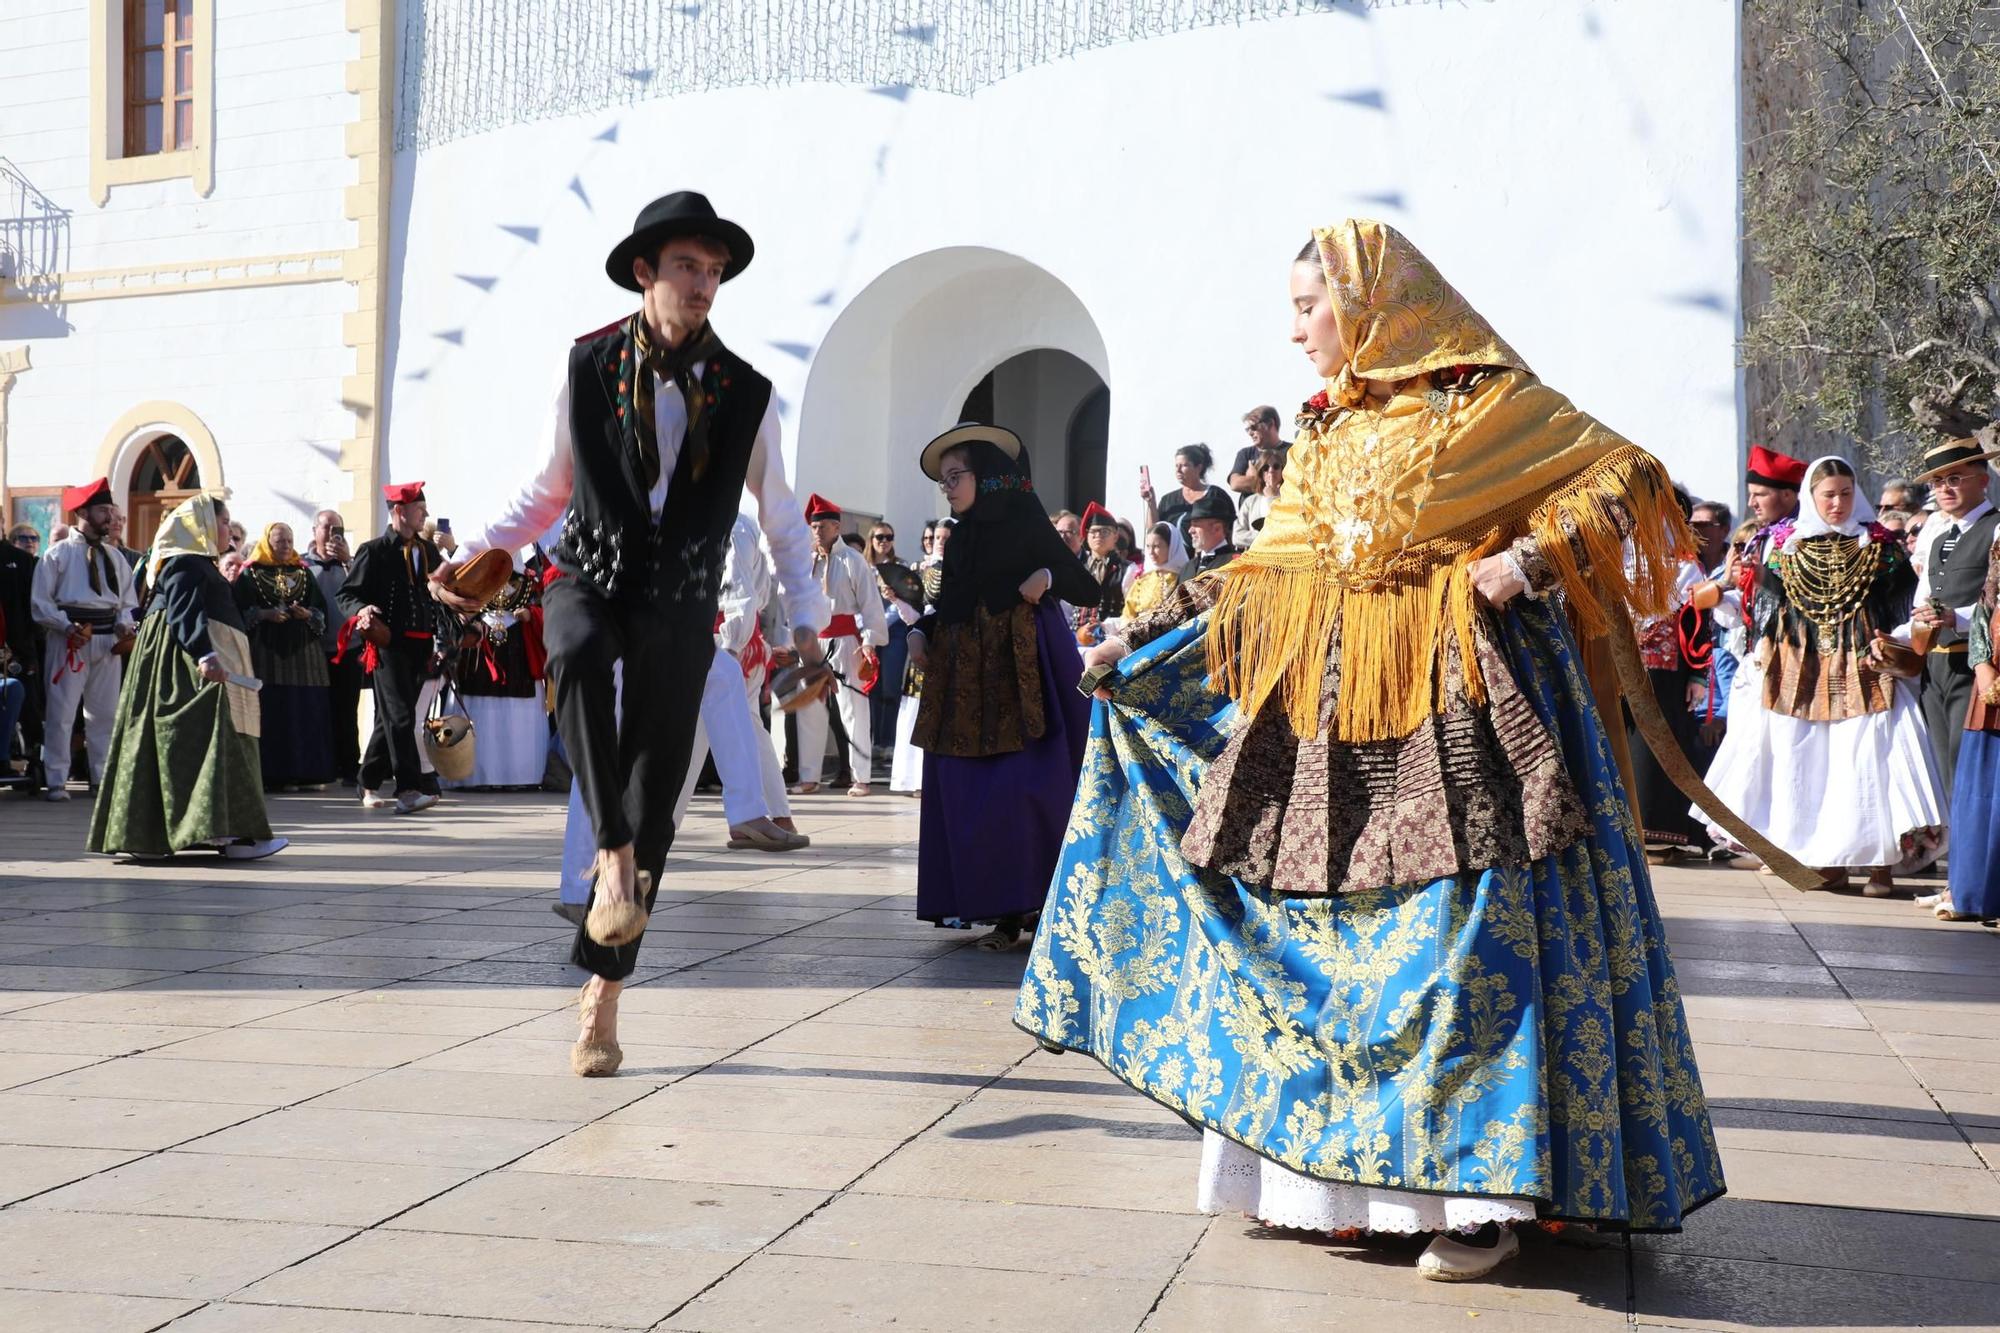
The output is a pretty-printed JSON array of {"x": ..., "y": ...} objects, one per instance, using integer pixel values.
[
  {"x": 1947, "y": 695},
  {"x": 392, "y": 750},
  {"x": 629, "y": 768},
  {"x": 345, "y": 678}
]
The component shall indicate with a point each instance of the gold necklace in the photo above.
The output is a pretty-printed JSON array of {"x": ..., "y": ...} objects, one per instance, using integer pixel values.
[{"x": 1827, "y": 579}]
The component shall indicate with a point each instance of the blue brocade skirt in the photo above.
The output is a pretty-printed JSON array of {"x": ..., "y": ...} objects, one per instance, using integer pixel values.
[
  {"x": 1975, "y": 826},
  {"x": 1514, "y": 1032}
]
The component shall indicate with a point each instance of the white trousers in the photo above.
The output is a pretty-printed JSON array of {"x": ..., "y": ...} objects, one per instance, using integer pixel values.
[
  {"x": 854, "y": 715},
  {"x": 753, "y": 783},
  {"x": 95, "y": 688}
]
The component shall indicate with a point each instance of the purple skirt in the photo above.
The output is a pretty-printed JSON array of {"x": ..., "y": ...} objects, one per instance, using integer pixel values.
[{"x": 992, "y": 828}]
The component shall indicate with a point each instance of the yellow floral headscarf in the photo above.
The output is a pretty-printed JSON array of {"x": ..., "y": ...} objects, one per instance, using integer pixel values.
[
  {"x": 1397, "y": 315},
  {"x": 262, "y": 554},
  {"x": 191, "y": 529},
  {"x": 1387, "y": 505}
]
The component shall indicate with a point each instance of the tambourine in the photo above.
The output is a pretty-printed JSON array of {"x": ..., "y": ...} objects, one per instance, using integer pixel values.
[
  {"x": 796, "y": 687},
  {"x": 902, "y": 583},
  {"x": 480, "y": 579}
]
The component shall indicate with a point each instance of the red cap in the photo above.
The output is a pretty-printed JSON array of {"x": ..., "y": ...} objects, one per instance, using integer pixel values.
[
  {"x": 82, "y": 497},
  {"x": 403, "y": 493},
  {"x": 819, "y": 507},
  {"x": 1096, "y": 515},
  {"x": 1768, "y": 467}
]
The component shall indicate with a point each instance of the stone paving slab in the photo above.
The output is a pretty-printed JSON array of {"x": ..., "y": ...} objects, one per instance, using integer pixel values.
[{"x": 330, "y": 1094}]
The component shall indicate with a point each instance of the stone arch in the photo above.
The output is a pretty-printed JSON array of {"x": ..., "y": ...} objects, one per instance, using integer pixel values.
[
  {"x": 130, "y": 434},
  {"x": 901, "y": 357}
]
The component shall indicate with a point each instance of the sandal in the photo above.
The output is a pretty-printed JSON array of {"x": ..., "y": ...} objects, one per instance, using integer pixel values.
[
  {"x": 999, "y": 939},
  {"x": 861, "y": 789}
]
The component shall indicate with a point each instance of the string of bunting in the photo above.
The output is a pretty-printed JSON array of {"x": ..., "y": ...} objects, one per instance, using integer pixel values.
[{"x": 468, "y": 66}]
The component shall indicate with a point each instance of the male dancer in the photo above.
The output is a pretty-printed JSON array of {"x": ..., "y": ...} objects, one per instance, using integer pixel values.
[
  {"x": 86, "y": 598},
  {"x": 856, "y": 633},
  {"x": 657, "y": 430},
  {"x": 387, "y": 601}
]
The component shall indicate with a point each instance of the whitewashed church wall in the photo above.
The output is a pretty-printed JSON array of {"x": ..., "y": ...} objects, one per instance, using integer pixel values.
[
  {"x": 260, "y": 367},
  {"x": 256, "y": 367},
  {"x": 1569, "y": 165}
]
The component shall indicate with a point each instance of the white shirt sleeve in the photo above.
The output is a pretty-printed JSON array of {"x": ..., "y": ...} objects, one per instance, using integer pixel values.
[
  {"x": 784, "y": 525},
  {"x": 542, "y": 501},
  {"x": 42, "y": 601},
  {"x": 874, "y": 619},
  {"x": 744, "y": 588}
]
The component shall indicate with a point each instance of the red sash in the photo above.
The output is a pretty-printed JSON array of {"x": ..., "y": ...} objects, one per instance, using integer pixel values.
[
  {"x": 841, "y": 627},
  {"x": 756, "y": 653}
]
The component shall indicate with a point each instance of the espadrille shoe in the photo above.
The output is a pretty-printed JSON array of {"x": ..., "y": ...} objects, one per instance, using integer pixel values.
[
  {"x": 612, "y": 923},
  {"x": 592, "y": 1056}
]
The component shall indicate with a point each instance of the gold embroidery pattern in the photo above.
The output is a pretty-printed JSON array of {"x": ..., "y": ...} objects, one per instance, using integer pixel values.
[{"x": 1512, "y": 1032}]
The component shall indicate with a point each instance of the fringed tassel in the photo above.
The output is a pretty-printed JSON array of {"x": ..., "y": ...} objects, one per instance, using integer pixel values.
[
  {"x": 1389, "y": 661},
  {"x": 1588, "y": 515},
  {"x": 1268, "y": 633},
  {"x": 1272, "y": 624}
]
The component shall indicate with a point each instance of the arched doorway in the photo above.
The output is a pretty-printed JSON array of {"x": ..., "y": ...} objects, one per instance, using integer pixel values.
[
  {"x": 164, "y": 474},
  {"x": 1060, "y": 407},
  {"x": 912, "y": 354}
]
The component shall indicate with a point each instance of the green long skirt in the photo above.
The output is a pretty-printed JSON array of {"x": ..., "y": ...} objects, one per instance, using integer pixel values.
[{"x": 179, "y": 773}]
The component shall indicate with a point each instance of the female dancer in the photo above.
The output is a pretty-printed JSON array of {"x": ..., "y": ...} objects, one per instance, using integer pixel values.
[
  {"x": 280, "y": 601},
  {"x": 499, "y": 673},
  {"x": 1831, "y": 760},
  {"x": 1352, "y": 881},
  {"x": 1000, "y": 721},
  {"x": 183, "y": 769}
]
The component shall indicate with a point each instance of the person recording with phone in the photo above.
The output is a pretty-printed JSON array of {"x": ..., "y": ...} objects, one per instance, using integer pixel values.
[{"x": 1191, "y": 467}]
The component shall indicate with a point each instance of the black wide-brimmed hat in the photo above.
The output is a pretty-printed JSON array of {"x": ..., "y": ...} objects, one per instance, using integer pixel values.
[
  {"x": 1951, "y": 453},
  {"x": 683, "y": 213}
]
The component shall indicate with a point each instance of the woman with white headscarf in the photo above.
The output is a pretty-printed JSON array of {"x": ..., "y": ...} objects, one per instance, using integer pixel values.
[
  {"x": 184, "y": 770},
  {"x": 1834, "y": 764},
  {"x": 1166, "y": 560}
]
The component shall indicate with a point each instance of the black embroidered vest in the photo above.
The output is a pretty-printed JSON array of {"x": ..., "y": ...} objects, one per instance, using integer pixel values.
[
  {"x": 1960, "y": 579},
  {"x": 609, "y": 538}
]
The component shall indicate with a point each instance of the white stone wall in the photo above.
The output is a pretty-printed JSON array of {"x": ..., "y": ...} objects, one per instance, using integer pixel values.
[
  {"x": 1569, "y": 165},
  {"x": 261, "y": 367}
]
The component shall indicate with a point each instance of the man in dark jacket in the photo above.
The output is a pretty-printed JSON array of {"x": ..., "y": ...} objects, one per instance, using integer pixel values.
[
  {"x": 387, "y": 602},
  {"x": 1208, "y": 524}
]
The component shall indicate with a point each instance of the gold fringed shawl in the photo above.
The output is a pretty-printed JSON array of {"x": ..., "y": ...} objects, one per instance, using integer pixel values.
[{"x": 1386, "y": 507}]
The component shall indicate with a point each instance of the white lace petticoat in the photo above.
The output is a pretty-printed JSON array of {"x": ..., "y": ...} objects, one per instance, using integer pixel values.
[{"x": 1236, "y": 1180}]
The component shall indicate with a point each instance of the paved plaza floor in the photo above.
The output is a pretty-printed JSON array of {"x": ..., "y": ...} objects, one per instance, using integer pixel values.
[{"x": 330, "y": 1092}]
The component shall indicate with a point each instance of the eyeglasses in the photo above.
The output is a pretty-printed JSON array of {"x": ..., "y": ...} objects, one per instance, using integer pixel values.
[
  {"x": 1706, "y": 523},
  {"x": 1952, "y": 482},
  {"x": 881, "y": 536},
  {"x": 950, "y": 479}
]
